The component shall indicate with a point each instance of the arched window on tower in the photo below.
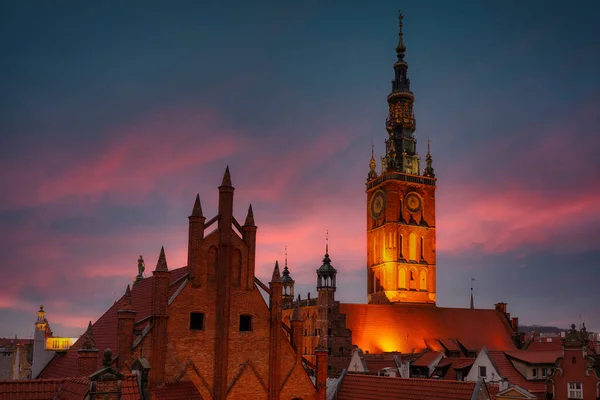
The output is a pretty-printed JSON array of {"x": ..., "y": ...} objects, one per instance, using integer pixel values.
[
  {"x": 400, "y": 246},
  {"x": 423, "y": 280},
  {"x": 401, "y": 278},
  {"x": 412, "y": 247},
  {"x": 413, "y": 279}
]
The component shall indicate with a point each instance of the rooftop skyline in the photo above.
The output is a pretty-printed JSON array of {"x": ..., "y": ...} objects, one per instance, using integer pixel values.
[{"x": 114, "y": 116}]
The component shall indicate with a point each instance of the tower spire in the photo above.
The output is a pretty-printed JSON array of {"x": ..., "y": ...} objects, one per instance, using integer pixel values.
[
  {"x": 472, "y": 305},
  {"x": 197, "y": 210},
  {"x": 372, "y": 163},
  {"x": 401, "y": 48}
]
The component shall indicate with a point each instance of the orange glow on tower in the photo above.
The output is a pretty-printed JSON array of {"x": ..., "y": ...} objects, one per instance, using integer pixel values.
[{"x": 401, "y": 262}]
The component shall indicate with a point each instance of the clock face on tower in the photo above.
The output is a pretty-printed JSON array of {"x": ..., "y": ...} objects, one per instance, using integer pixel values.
[
  {"x": 413, "y": 202},
  {"x": 377, "y": 204}
]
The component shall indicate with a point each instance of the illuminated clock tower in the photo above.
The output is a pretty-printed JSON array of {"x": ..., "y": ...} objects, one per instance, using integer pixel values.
[{"x": 401, "y": 206}]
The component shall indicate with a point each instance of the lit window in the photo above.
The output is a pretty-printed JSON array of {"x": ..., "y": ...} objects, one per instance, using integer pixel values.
[
  {"x": 245, "y": 323},
  {"x": 482, "y": 371},
  {"x": 197, "y": 321},
  {"x": 575, "y": 390}
]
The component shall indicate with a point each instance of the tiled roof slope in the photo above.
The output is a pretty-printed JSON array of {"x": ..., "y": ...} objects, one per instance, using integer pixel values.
[
  {"x": 426, "y": 359},
  {"x": 73, "y": 389},
  {"x": 545, "y": 346},
  {"x": 371, "y": 387},
  {"x": 33, "y": 389},
  {"x": 377, "y": 362},
  {"x": 508, "y": 371},
  {"x": 404, "y": 327},
  {"x": 105, "y": 328},
  {"x": 176, "y": 391},
  {"x": 535, "y": 357}
]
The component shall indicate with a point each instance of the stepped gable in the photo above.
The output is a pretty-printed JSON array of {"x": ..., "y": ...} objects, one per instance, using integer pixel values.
[
  {"x": 379, "y": 328},
  {"x": 105, "y": 328},
  {"x": 370, "y": 387}
]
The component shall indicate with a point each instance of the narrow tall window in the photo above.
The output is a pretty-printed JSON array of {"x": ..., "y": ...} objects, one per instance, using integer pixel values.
[
  {"x": 245, "y": 323},
  {"x": 412, "y": 247},
  {"x": 197, "y": 321}
]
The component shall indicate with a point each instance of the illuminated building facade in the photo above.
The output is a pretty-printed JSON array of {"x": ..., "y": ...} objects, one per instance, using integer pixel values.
[{"x": 401, "y": 206}]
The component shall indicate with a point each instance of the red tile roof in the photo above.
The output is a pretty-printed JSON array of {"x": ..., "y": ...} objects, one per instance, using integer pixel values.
[
  {"x": 556, "y": 344},
  {"x": 508, "y": 371},
  {"x": 377, "y": 362},
  {"x": 371, "y": 387},
  {"x": 32, "y": 389},
  {"x": 105, "y": 328},
  {"x": 176, "y": 391},
  {"x": 426, "y": 359},
  {"x": 535, "y": 357},
  {"x": 73, "y": 389},
  {"x": 404, "y": 327},
  {"x": 454, "y": 363}
]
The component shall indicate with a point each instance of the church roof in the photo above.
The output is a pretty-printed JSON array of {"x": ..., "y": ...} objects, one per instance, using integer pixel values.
[
  {"x": 370, "y": 387},
  {"x": 176, "y": 391},
  {"x": 379, "y": 328},
  {"x": 105, "y": 328}
]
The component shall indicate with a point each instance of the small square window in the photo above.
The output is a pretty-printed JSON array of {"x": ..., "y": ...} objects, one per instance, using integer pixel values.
[
  {"x": 245, "y": 323},
  {"x": 482, "y": 371},
  {"x": 197, "y": 321}
]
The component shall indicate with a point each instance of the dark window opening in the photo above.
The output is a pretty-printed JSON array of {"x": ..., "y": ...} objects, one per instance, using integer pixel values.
[
  {"x": 329, "y": 331},
  {"x": 197, "y": 321},
  {"x": 574, "y": 360},
  {"x": 245, "y": 323},
  {"x": 341, "y": 350}
]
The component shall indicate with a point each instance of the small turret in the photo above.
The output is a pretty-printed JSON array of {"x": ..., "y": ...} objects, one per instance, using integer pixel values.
[
  {"x": 372, "y": 164},
  {"x": 87, "y": 355},
  {"x": 288, "y": 284},
  {"x": 195, "y": 237},
  {"x": 428, "y": 171},
  {"x": 326, "y": 273}
]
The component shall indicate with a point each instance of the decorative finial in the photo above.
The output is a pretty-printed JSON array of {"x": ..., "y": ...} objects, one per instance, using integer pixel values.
[
  {"x": 327, "y": 242},
  {"x": 226, "y": 178},
  {"x": 250, "y": 217},
  {"x": 161, "y": 265},
  {"x": 276, "y": 275},
  {"x": 286, "y": 257},
  {"x": 107, "y": 361},
  {"x": 197, "y": 210},
  {"x": 400, "y": 49}
]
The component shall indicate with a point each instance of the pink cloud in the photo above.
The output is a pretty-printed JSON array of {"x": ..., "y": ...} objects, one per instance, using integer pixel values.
[{"x": 129, "y": 163}]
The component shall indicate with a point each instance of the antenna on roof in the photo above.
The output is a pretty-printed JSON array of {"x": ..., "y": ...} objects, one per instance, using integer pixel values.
[{"x": 472, "y": 303}]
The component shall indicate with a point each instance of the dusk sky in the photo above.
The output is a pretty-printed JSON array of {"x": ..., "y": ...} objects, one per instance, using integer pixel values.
[{"x": 113, "y": 115}]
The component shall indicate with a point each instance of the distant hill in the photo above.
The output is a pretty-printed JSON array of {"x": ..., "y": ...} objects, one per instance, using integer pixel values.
[{"x": 540, "y": 328}]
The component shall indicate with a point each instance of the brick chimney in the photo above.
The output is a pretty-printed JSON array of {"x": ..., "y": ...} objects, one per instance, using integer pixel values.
[
  {"x": 87, "y": 355},
  {"x": 514, "y": 322},
  {"x": 321, "y": 354},
  {"x": 501, "y": 307},
  {"x": 126, "y": 319}
]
